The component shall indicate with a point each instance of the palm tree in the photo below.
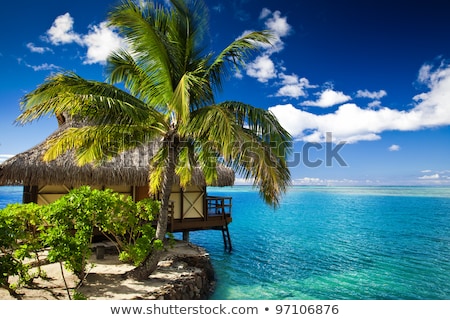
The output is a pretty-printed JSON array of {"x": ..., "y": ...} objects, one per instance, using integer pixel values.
[{"x": 168, "y": 83}]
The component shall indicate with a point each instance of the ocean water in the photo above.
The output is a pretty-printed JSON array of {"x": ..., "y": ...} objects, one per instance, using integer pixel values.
[
  {"x": 330, "y": 243},
  {"x": 10, "y": 195},
  {"x": 335, "y": 243}
]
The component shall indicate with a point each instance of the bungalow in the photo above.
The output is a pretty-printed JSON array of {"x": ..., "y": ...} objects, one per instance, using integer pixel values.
[{"x": 191, "y": 207}]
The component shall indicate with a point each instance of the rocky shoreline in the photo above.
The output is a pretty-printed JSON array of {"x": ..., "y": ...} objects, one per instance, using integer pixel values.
[
  {"x": 184, "y": 273},
  {"x": 193, "y": 276},
  {"x": 196, "y": 283}
]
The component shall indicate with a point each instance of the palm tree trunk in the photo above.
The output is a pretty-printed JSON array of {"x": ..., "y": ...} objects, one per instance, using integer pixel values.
[
  {"x": 166, "y": 190},
  {"x": 150, "y": 263},
  {"x": 146, "y": 268}
]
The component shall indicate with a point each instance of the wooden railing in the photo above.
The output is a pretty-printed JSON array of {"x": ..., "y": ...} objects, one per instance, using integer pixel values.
[{"x": 218, "y": 206}]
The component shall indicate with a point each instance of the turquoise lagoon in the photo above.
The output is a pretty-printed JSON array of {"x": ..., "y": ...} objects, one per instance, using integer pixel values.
[{"x": 330, "y": 243}]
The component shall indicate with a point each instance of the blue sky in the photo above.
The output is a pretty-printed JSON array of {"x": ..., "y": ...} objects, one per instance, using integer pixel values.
[{"x": 374, "y": 75}]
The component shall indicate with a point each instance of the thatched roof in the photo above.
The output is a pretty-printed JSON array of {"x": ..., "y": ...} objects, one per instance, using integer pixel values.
[{"x": 129, "y": 168}]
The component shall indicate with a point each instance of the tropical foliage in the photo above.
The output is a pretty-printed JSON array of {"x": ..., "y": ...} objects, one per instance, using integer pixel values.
[
  {"x": 65, "y": 229},
  {"x": 19, "y": 240},
  {"x": 74, "y": 217},
  {"x": 162, "y": 87}
]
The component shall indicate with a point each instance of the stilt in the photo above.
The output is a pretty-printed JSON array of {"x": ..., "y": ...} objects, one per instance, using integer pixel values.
[
  {"x": 186, "y": 235},
  {"x": 226, "y": 238}
]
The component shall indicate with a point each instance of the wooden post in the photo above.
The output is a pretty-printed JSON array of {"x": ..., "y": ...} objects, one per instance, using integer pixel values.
[
  {"x": 186, "y": 235},
  {"x": 30, "y": 194},
  {"x": 100, "y": 252}
]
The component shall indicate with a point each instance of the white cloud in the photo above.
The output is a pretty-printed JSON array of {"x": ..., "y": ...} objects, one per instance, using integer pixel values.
[
  {"x": 394, "y": 147},
  {"x": 371, "y": 95},
  {"x": 430, "y": 177},
  {"x": 291, "y": 79},
  {"x": 352, "y": 123},
  {"x": 374, "y": 104},
  {"x": 349, "y": 123},
  {"x": 61, "y": 31},
  {"x": 439, "y": 178},
  {"x": 238, "y": 74},
  {"x": 424, "y": 73},
  {"x": 328, "y": 98},
  {"x": 242, "y": 182},
  {"x": 43, "y": 67},
  {"x": 4, "y": 157},
  {"x": 33, "y": 48},
  {"x": 101, "y": 41},
  {"x": 263, "y": 69},
  {"x": 292, "y": 91},
  {"x": 279, "y": 27},
  {"x": 309, "y": 181},
  {"x": 265, "y": 13},
  {"x": 292, "y": 86}
]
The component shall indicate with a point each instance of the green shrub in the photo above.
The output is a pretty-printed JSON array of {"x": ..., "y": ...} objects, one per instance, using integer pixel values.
[
  {"x": 21, "y": 227},
  {"x": 65, "y": 228},
  {"x": 74, "y": 217}
]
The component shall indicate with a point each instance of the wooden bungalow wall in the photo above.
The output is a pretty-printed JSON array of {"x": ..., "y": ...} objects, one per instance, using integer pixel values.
[{"x": 188, "y": 203}]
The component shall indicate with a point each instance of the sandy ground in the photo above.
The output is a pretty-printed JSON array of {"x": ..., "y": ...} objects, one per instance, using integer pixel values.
[{"x": 104, "y": 280}]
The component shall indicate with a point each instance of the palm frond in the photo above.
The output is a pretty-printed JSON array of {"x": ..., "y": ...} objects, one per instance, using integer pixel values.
[
  {"x": 180, "y": 101},
  {"x": 188, "y": 30},
  {"x": 236, "y": 54},
  {"x": 256, "y": 159},
  {"x": 186, "y": 164},
  {"x": 123, "y": 68},
  {"x": 145, "y": 30},
  {"x": 157, "y": 168},
  {"x": 87, "y": 99},
  {"x": 258, "y": 149},
  {"x": 263, "y": 123},
  {"x": 142, "y": 83},
  {"x": 248, "y": 139},
  {"x": 221, "y": 132},
  {"x": 96, "y": 144},
  {"x": 190, "y": 84},
  {"x": 208, "y": 160}
]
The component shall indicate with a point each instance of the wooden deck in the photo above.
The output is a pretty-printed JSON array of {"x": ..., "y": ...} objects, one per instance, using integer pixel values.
[{"x": 216, "y": 216}]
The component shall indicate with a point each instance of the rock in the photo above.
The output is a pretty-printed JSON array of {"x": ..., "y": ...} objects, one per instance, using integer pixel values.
[{"x": 185, "y": 272}]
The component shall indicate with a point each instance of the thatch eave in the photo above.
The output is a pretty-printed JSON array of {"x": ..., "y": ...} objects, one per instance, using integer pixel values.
[{"x": 128, "y": 168}]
